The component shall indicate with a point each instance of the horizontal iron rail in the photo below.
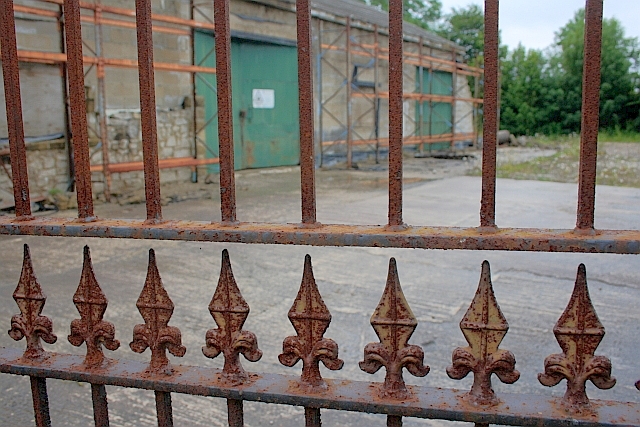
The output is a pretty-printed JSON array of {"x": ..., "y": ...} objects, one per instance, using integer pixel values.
[
  {"x": 470, "y": 238},
  {"x": 426, "y": 402}
]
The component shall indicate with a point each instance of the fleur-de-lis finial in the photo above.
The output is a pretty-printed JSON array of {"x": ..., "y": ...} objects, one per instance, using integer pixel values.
[
  {"x": 90, "y": 328},
  {"x": 394, "y": 324},
  {"x": 29, "y": 323},
  {"x": 310, "y": 318},
  {"x": 484, "y": 327},
  {"x": 230, "y": 311},
  {"x": 156, "y": 309},
  {"x": 579, "y": 332}
]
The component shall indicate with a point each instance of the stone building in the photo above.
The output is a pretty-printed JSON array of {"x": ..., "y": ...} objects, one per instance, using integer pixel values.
[{"x": 350, "y": 88}]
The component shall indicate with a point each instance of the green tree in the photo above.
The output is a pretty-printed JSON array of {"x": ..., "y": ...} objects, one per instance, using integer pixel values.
[
  {"x": 619, "y": 91},
  {"x": 423, "y": 13},
  {"x": 465, "y": 26}
]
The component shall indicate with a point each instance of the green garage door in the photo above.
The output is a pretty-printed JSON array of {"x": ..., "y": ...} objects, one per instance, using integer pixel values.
[
  {"x": 436, "y": 116},
  {"x": 265, "y": 102}
]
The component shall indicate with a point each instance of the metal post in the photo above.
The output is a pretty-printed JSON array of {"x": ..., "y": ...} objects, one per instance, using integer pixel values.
[
  {"x": 490, "y": 128},
  {"x": 148, "y": 110},
  {"x": 225, "y": 111},
  {"x": 11, "y": 76},
  {"x": 305, "y": 103},
  {"x": 348, "y": 63},
  {"x": 80, "y": 137},
  {"x": 102, "y": 102},
  {"x": 40, "y": 401},
  {"x": 590, "y": 115},
  {"x": 395, "y": 112},
  {"x": 100, "y": 409}
]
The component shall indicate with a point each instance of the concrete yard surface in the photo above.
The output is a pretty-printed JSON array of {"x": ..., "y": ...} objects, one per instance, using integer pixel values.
[{"x": 531, "y": 288}]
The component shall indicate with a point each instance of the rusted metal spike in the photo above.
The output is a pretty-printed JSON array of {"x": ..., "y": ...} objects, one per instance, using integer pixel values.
[
  {"x": 156, "y": 309},
  {"x": 29, "y": 323},
  {"x": 394, "y": 324},
  {"x": 310, "y": 318},
  {"x": 579, "y": 332},
  {"x": 484, "y": 327},
  {"x": 230, "y": 311},
  {"x": 90, "y": 328}
]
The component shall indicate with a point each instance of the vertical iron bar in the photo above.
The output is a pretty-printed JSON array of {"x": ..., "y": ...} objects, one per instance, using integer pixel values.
[
  {"x": 11, "y": 76},
  {"x": 312, "y": 417},
  {"x": 79, "y": 136},
  {"x": 394, "y": 421},
  {"x": 148, "y": 110},
  {"x": 235, "y": 413},
  {"x": 225, "y": 112},
  {"x": 102, "y": 102},
  {"x": 65, "y": 100},
  {"x": 590, "y": 115},
  {"x": 490, "y": 128},
  {"x": 163, "y": 409},
  {"x": 395, "y": 112},
  {"x": 475, "y": 106},
  {"x": 40, "y": 401},
  {"x": 100, "y": 410},
  {"x": 348, "y": 89},
  {"x": 305, "y": 102}
]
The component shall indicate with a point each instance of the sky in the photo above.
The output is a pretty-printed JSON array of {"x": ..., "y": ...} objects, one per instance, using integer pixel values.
[{"x": 534, "y": 22}]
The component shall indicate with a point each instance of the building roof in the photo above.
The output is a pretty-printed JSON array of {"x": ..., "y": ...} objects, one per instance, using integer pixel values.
[{"x": 372, "y": 15}]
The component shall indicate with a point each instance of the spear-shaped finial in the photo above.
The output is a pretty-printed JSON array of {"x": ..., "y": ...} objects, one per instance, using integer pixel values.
[
  {"x": 394, "y": 324},
  {"x": 29, "y": 323},
  {"x": 91, "y": 303},
  {"x": 229, "y": 310},
  {"x": 579, "y": 332},
  {"x": 310, "y": 318},
  {"x": 484, "y": 327},
  {"x": 156, "y": 309}
]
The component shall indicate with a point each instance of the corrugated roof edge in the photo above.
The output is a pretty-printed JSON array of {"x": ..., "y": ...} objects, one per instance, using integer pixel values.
[{"x": 367, "y": 15}]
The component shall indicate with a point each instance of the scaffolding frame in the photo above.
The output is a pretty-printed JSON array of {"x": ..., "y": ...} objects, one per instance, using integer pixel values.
[
  {"x": 355, "y": 49},
  {"x": 122, "y": 18}
]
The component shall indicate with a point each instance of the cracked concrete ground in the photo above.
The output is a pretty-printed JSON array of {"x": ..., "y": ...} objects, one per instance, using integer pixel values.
[{"x": 532, "y": 288}]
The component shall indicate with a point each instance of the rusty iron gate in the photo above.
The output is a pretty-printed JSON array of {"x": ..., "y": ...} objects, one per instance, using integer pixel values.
[{"x": 578, "y": 330}]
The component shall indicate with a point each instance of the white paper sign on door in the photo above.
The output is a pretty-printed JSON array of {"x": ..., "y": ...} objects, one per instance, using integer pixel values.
[{"x": 264, "y": 98}]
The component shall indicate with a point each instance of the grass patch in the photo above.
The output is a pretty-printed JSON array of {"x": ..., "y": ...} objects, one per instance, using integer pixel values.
[
  {"x": 617, "y": 168},
  {"x": 619, "y": 136}
]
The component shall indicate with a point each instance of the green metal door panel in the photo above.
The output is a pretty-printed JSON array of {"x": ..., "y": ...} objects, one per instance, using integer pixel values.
[
  {"x": 266, "y": 95},
  {"x": 436, "y": 116},
  {"x": 442, "y": 83},
  {"x": 205, "y": 56},
  {"x": 263, "y": 137}
]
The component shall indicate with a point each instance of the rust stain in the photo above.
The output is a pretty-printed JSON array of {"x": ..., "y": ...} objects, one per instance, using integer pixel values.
[
  {"x": 91, "y": 303},
  {"x": 394, "y": 324},
  {"x": 484, "y": 327},
  {"x": 15, "y": 128},
  {"x": 310, "y": 318},
  {"x": 225, "y": 111},
  {"x": 80, "y": 138},
  {"x": 590, "y": 115},
  {"x": 148, "y": 110},
  {"x": 229, "y": 310},
  {"x": 579, "y": 332}
]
